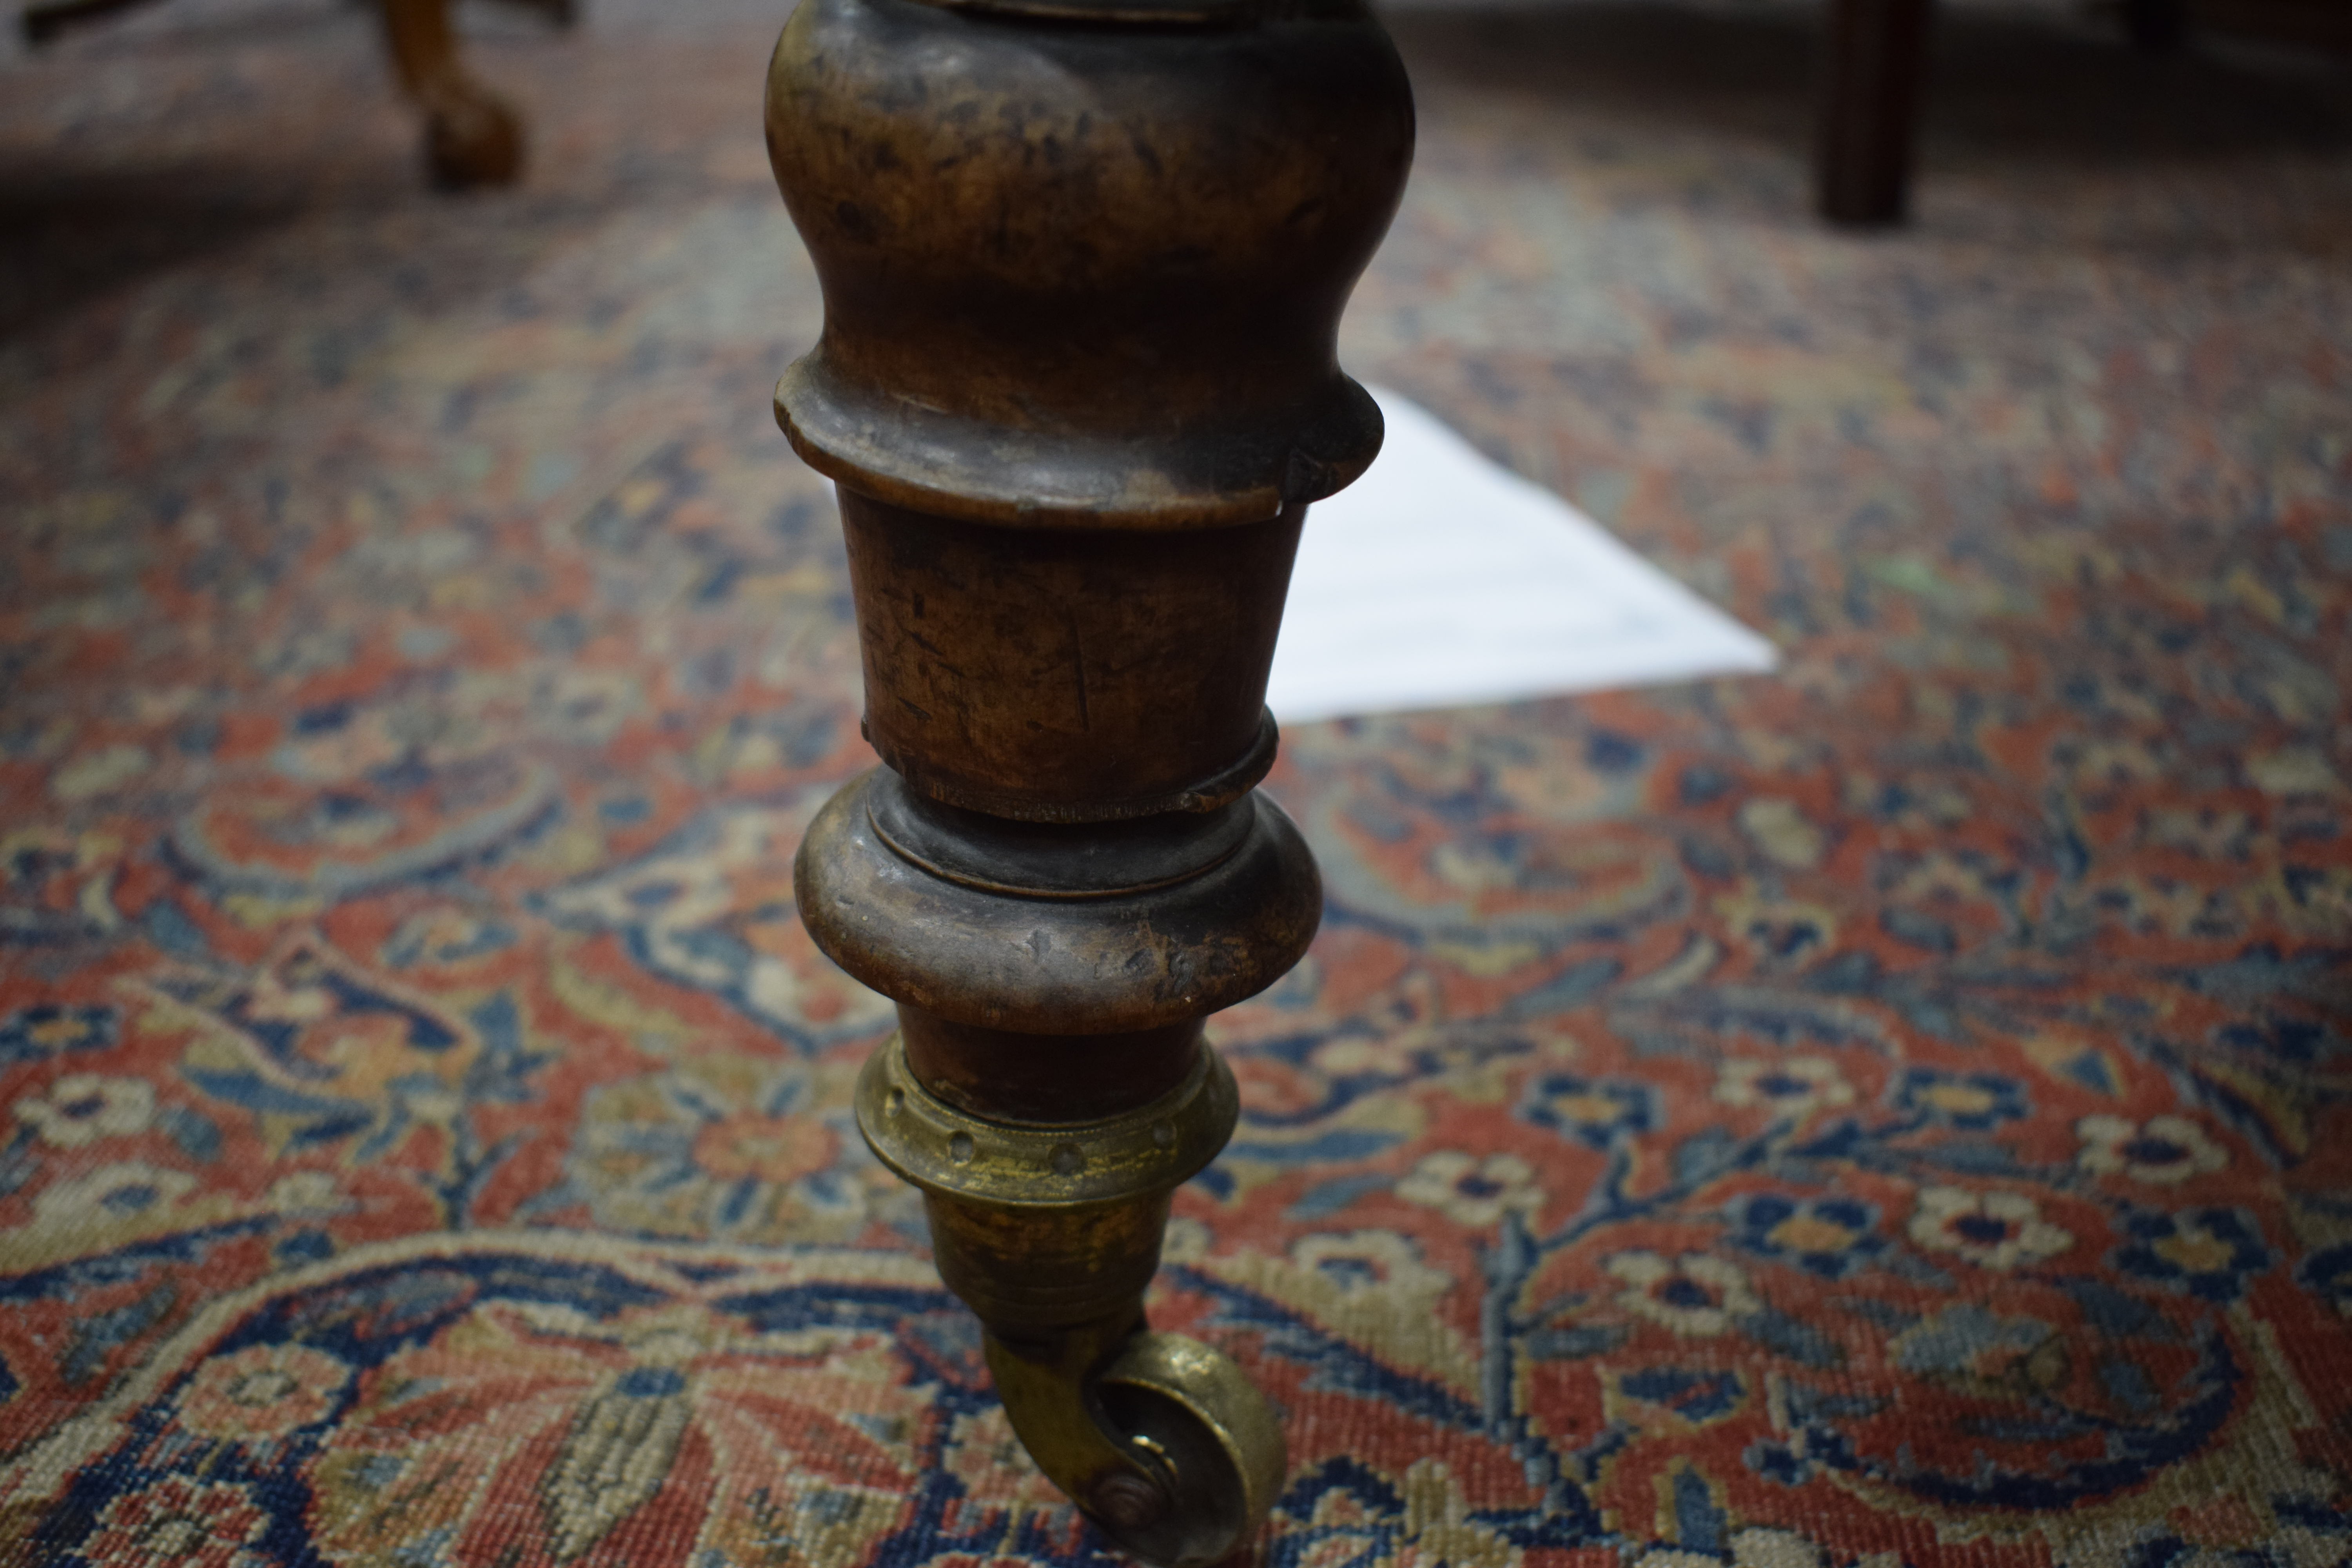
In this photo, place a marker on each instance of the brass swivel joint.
(1084, 263)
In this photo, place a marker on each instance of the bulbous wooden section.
(1085, 276)
(1116, 961)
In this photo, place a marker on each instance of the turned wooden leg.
(471, 136)
(1078, 381)
(1873, 52)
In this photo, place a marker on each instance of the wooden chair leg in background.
(561, 13)
(1872, 57)
(43, 22)
(471, 136)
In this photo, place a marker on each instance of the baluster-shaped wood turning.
(1084, 263)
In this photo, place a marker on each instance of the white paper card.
(1440, 580)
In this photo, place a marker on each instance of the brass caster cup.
(1051, 1233)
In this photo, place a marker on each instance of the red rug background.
(1889, 1112)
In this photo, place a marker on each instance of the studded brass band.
(945, 1151)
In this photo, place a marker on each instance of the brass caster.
(1051, 1233)
(1166, 1445)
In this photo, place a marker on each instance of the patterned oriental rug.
(1894, 1111)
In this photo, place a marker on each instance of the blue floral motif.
(1971, 1101)
(1830, 1236)
(739, 1147)
(2289, 1042)
(1595, 1112)
(1697, 1396)
(1784, 1463)
(32, 1033)
(2211, 1253)
(2328, 1273)
(2172, 1551)
(1349, 1516)
(1346, 1514)
(1968, 1341)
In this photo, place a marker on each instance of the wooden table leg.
(1873, 56)
(1084, 263)
(471, 136)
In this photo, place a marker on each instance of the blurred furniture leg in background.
(472, 137)
(562, 13)
(43, 22)
(1874, 54)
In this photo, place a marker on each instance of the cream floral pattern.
(1992, 1230)
(2165, 1150)
(1696, 1296)
(1471, 1191)
(82, 1108)
(1793, 1086)
(110, 1193)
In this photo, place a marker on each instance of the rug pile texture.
(1894, 1111)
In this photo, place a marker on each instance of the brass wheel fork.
(1047, 1231)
